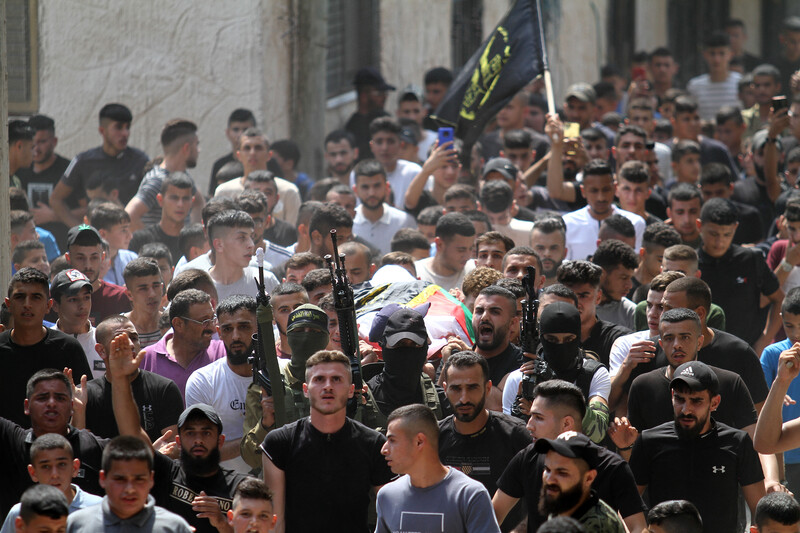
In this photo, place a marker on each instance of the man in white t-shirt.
(384, 142)
(455, 245)
(223, 383)
(230, 234)
(72, 300)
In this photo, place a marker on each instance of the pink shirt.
(157, 360)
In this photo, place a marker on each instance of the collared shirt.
(81, 500)
(582, 231)
(151, 518)
(157, 359)
(114, 274)
(379, 233)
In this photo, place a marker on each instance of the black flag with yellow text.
(509, 59)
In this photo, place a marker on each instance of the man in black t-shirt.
(158, 399)
(176, 201)
(738, 277)
(649, 400)
(558, 407)
(326, 459)
(697, 458)
(597, 335)
(113, 160)
(196, 487)
(475, 440)
(49, 403)
(29, 346)
(41, 177)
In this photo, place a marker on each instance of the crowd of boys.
(657, 226)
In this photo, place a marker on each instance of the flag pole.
(548, 82)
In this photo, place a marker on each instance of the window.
(23, 50)
(353, 42)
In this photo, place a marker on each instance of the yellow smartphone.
(571, 130)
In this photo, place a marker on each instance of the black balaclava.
(564, 358)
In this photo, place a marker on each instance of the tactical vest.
(376, 420)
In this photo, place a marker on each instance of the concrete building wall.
(651, 26)
(163, 60)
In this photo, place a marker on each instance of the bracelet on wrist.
(626, 448)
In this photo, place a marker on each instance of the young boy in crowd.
(252, 510)
(31, 254)
(71, 292)
(53, 463)
(145, 288)
(686, 162)
(193, 242)
(127, 477)
(43, 509)
(777, 512)
(114, 226)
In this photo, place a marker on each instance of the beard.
(469, 417)
(550, 272)
(238, 353)
(561, 502)
(693, 432)
(200, 466)
(498, 337)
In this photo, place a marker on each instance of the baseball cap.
(204, 409)
(68, 282)
(371, 76)
(308, 315)
(407, 135)
(406, 323)
(501, 165)
(413, 90)
(582, 91)
(571, 444)
(697, 376)
(80, 230)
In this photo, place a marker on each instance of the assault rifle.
(529, 335)
(266, 371)
(346, 312)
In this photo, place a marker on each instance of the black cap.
(697, 376)
(308, 315)
(582, 91)
(75, 232)
(571, 444)
(68, 282)
(501, 165)
(560, 317)
(370, 76)
(406, 323)
(204, 409)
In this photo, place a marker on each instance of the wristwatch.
(786, 266)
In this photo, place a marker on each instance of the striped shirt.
(711, 96)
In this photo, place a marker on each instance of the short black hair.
(778, 507)
(452, 224)
(467, 359)
(126, 448)
(479, 216)
(251, 488)
(107, 215)
(523, 250)
(460, 190)
(673, 316)
(719, 211)
(287, 287)
(42, 123)
(409, 239)
(29, 275)
(497, 196)
(683, 148)
(698, 293)
(191, 235)
(612, 253)
(228, 219)
(593, 134)
(576, 272)
(369, 168)
(515, 139)
(430, 215)
(47, 374)
(287, 149)
(43, 500)
(660, 234)
(661, 51)
(387, 124)
(116, 112)
(139, 268)
(716, 40)
(337, 136)
(176, 129)
(190, 278)
(620, 225)
(236, 302)
(635, 172)
(729, 112)
(19, 130)
(562, 291)
(676, 516)
(561, 524)
(560, 392)
(22, 249)
(242, 115)
(633, 129)
(684, 192)
(179, 180)
(597, 167)
(182, 302)
(328, 217)
(714, 173)
(439, 75)
(791, 302)
(319, 277)
(513, 285)
(156, 250)
(50, 441)
(685, 104)
(497, 290)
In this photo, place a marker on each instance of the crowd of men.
(653, 228)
